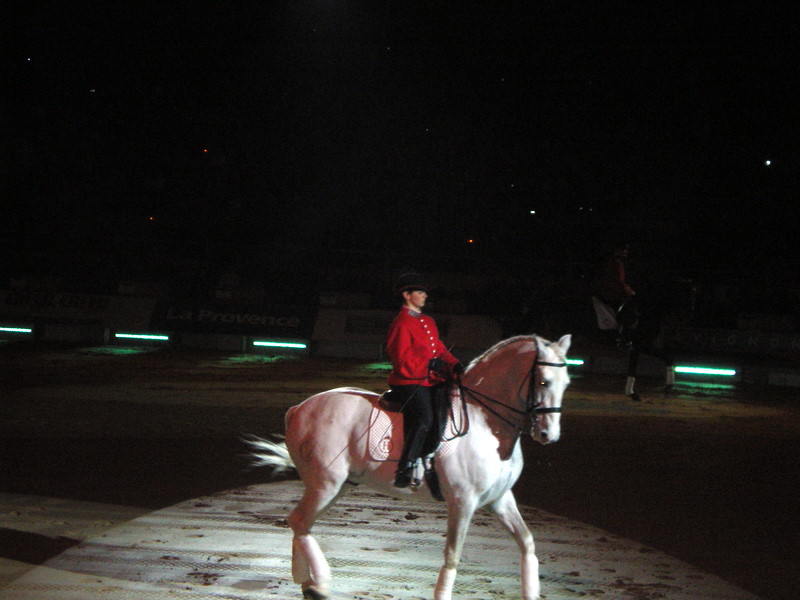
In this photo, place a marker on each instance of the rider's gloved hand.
(437, 365)
(458, 368)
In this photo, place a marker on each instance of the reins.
(531, 407)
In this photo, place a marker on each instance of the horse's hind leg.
(508, 514)
(309, 567)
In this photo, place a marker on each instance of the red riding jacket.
(610, 285)
(412, 342)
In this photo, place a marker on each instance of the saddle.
(441, 401)
(386, 426)
(620, 322)
(606, 315)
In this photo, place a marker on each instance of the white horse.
(515, 387)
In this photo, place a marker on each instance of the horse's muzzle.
(545, 436)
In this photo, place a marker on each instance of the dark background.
(282, 140)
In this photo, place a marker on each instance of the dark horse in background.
(642, 319)
(636, 327)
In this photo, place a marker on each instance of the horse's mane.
(510, 341)
(499, 346)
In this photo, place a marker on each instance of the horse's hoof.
(635, 397)
(312, 594)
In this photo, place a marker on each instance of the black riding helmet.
(410, 282)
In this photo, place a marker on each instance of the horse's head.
(549, 379)
(520, 383)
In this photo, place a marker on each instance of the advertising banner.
(272, 320)
(114, 312)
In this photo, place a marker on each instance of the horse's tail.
(266, 453)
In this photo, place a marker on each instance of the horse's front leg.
(507, 512)
(459, 515)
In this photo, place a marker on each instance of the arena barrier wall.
(758, 343)
(67, 317)
(361, 333)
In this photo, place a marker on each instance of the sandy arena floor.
(92, 439)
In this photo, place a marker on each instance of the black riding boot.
(404, 475)
(412, 450)
(417, 420)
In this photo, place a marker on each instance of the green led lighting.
(141, 336)
(710, 389)
(16, 329)
(379, 366)
(577, 362)
(281, 345)
(116, 350)
(705, 371)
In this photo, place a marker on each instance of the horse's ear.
(564, 343)
(540, 345)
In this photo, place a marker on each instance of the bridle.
(533, 406)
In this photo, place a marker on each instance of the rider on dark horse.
(611, 287)
(638, 320)
(420, 363)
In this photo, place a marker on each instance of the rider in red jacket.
(611, 285)
(420, 361)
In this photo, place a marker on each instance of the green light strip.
(141, 336)
(281, 345)
(16, 329)
(705, 371)
(575, 361)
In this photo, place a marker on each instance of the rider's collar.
(413, 313)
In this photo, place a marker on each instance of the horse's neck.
(503, 379)
(500, 386)
(511, 362)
